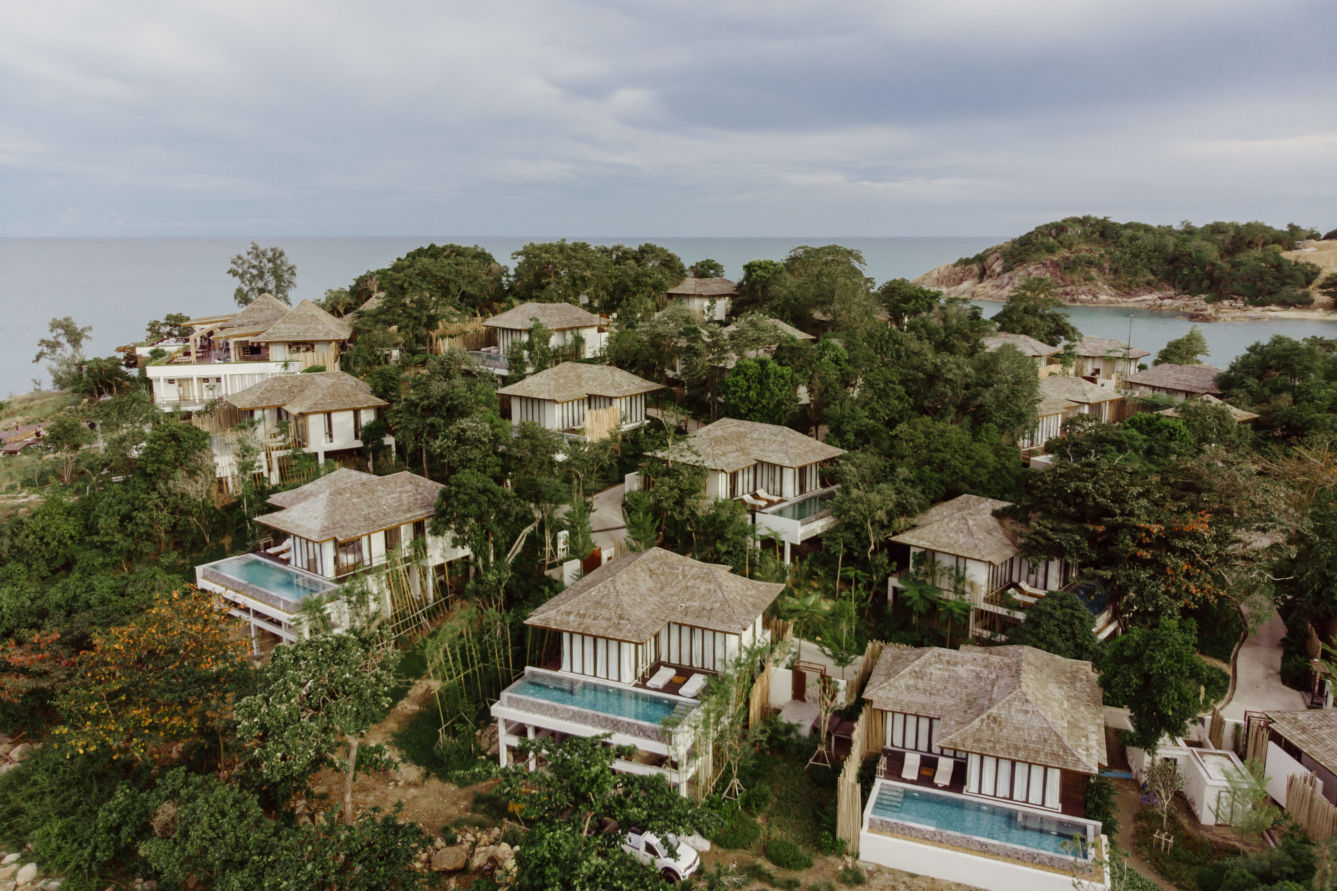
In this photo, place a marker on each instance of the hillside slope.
(1213, 271)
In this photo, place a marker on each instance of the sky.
(584, 117)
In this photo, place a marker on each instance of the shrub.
(1215, 683)
(759, 873)
(786, 854)
(756, 799)
(738, 831)
(828, 844)
(852, 875)
(1100, 804)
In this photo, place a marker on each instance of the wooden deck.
(681, 674)
(1072, 788)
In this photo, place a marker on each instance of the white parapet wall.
(966, 868)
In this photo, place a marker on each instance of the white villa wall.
(1280, 767)
(192, 386)
(701, 306)
(509, 339)
(968, 869)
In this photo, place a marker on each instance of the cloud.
(718, 118)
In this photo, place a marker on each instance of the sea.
(117, 285)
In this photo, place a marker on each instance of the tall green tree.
(1186, 350)
(1061, 624)
(262, 271)
(760, 390)
(64, 349)
(312, 704)
(1157, 674)
(1033, 310)
(1308, 579)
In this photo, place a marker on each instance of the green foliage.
(1308, 581)
(1291, 861)
(448, 420)
(1186, 350)
(64, 347)
(1291, 383)
(1157, 674)
(1244, 803)
(760, 390)
(1100, 804)
(1218, 261)
(262, 271)
(1033, 310)
(312, 703)
(786, 854)
(706, 268)
(1061, 624)
(756, 799)
(903, 299)
(737, 832)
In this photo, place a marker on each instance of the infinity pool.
(276, 579)
(999, 823)
(635, 705)
(806, 507)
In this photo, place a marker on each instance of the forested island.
(1217, 270)
(145, 736)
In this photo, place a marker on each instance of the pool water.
(997, 822)
(271, 577)
(635, 705)
(804, 508)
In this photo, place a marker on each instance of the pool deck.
(1072, 789)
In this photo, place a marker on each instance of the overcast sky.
(940, 117)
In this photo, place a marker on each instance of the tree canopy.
(262, 271)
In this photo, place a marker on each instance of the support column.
(533, 760)
(501, 741)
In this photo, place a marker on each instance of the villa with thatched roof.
(225, 354)
(321, 412)
(569, 326)
(1044, 355)
(343, 524)
(1104, 358)
(776, 471)
(964, 550)
(1106, 404)
(1300, 742)
(636, 641)
(985, 761)
(580, 399)
(1178, 382)
(711, 299)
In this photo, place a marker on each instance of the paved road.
(1258, 685)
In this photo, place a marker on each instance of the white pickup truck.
(650, 850)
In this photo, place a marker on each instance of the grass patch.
(1189, 853)
(738, 832)
(852, 875)
(758, 872)
(803, 801)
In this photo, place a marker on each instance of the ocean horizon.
(118, 284)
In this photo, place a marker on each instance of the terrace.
(1072, 792)
(795, 520)
(1029, 848)
(263, 590)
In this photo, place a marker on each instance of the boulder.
(451, 859)
(410, 774)
(27, 873)
(482, 854)
(8, 859)
(20, 752)
(502, 854)
(487, 740)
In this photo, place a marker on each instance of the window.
(357, 424)
(329, 426)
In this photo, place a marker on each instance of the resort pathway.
(606, 523)
(1258, 685)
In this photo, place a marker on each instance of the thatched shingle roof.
(964, 527)
(1313, 731)
(1076, 389)
(1010, 702)
(301, 394)
(1240, 415)
(730, 444)
(255, 316)
(1199, 379)
(577, 380)
(348, 504)
(704, 287)
(634, 596)
(304, 322)
(1100, 347)
(783, 328)
(1028, 345)
(553, 316)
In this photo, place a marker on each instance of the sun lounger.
(943, 775)
(662, 677)
(755, 503)
(768, 497)
(693, 686)
(910, 770)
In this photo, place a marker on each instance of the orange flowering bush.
(163, 680)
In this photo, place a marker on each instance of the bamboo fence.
(849, 797)
(759, 700)
(1307, 806)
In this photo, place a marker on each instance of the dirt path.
(427, 801)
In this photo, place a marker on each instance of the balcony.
(798, 519)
